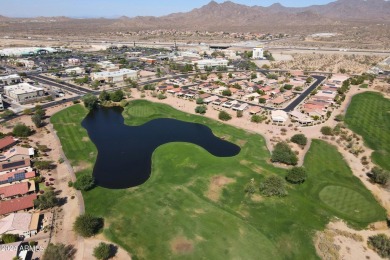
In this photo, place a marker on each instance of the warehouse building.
(10, 79)
(114, 76)
(23, 92)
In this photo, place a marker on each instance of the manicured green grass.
(178, 214)
(369, 116)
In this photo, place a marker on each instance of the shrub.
(273, 186)
(58, 252)
(300, 139)
(44, 165)
(283, 153)
(381, 244)
(296, 175)
(9, 238)
(239, 113)
(250, 187)
(102, 251)
(326, 130)
(258, 119)
(339, 118)
(379, 175)
(226, 92)
(199, 101)
(21, 130)
(104, 96)
(87, 225)
(84, 182)
(161, 96)
(224, 116)
(201, 109)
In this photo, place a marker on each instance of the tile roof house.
(18, 204)
(20, 164)
(14, 190)
(17, 153)
(16, 176)
(7, 142)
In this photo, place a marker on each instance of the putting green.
(140, 111)
(347, 202)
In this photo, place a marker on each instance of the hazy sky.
(113, 8)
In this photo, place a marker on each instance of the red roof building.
(14, 190)
(8, 166)
(14, 205)
(7, 142)
(16, 176)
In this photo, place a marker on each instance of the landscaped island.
(195, 206)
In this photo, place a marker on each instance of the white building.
(27, 51)
(23, 92)
(279, 116)
(76, 70)
(10, 79)
(258, 53)
(114, 76)
(107, 65)
(210, 63)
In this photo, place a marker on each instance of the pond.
(125, 152)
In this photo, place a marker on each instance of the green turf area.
(369, 116)
(194, 205)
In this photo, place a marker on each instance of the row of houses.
(18, 190)
(317, 105)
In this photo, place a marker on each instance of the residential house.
(7, 142)
(17, 153)
(18, 204)
(22, 224)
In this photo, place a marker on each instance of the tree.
(262, 100)
(84, 182)
(58, 252)
(39, 111)
(102, 251)
(227, 92)
(381, 244)
(224, 116)
(300, 139)
(46, 200)
(250, 187)
(117, 95)
(104, 96)
(90, 101)
(201, 109)
(273, 186)
(379, 175)
(326, 130)
(199, 101)
(37, 120)
(282, 153)
(27, 111)
(296, 175)
(87, 225)
(21, 130)
(9, 238)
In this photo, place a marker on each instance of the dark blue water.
(125, 152)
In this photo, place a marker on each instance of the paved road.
(49, 81)
(300, 98)
(67, 84)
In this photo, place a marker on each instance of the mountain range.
(230, 16)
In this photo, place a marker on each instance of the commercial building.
(258, 53)
(114, 76)
(10, 79)
(24, 92)
(202, 64)
(76, 70)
